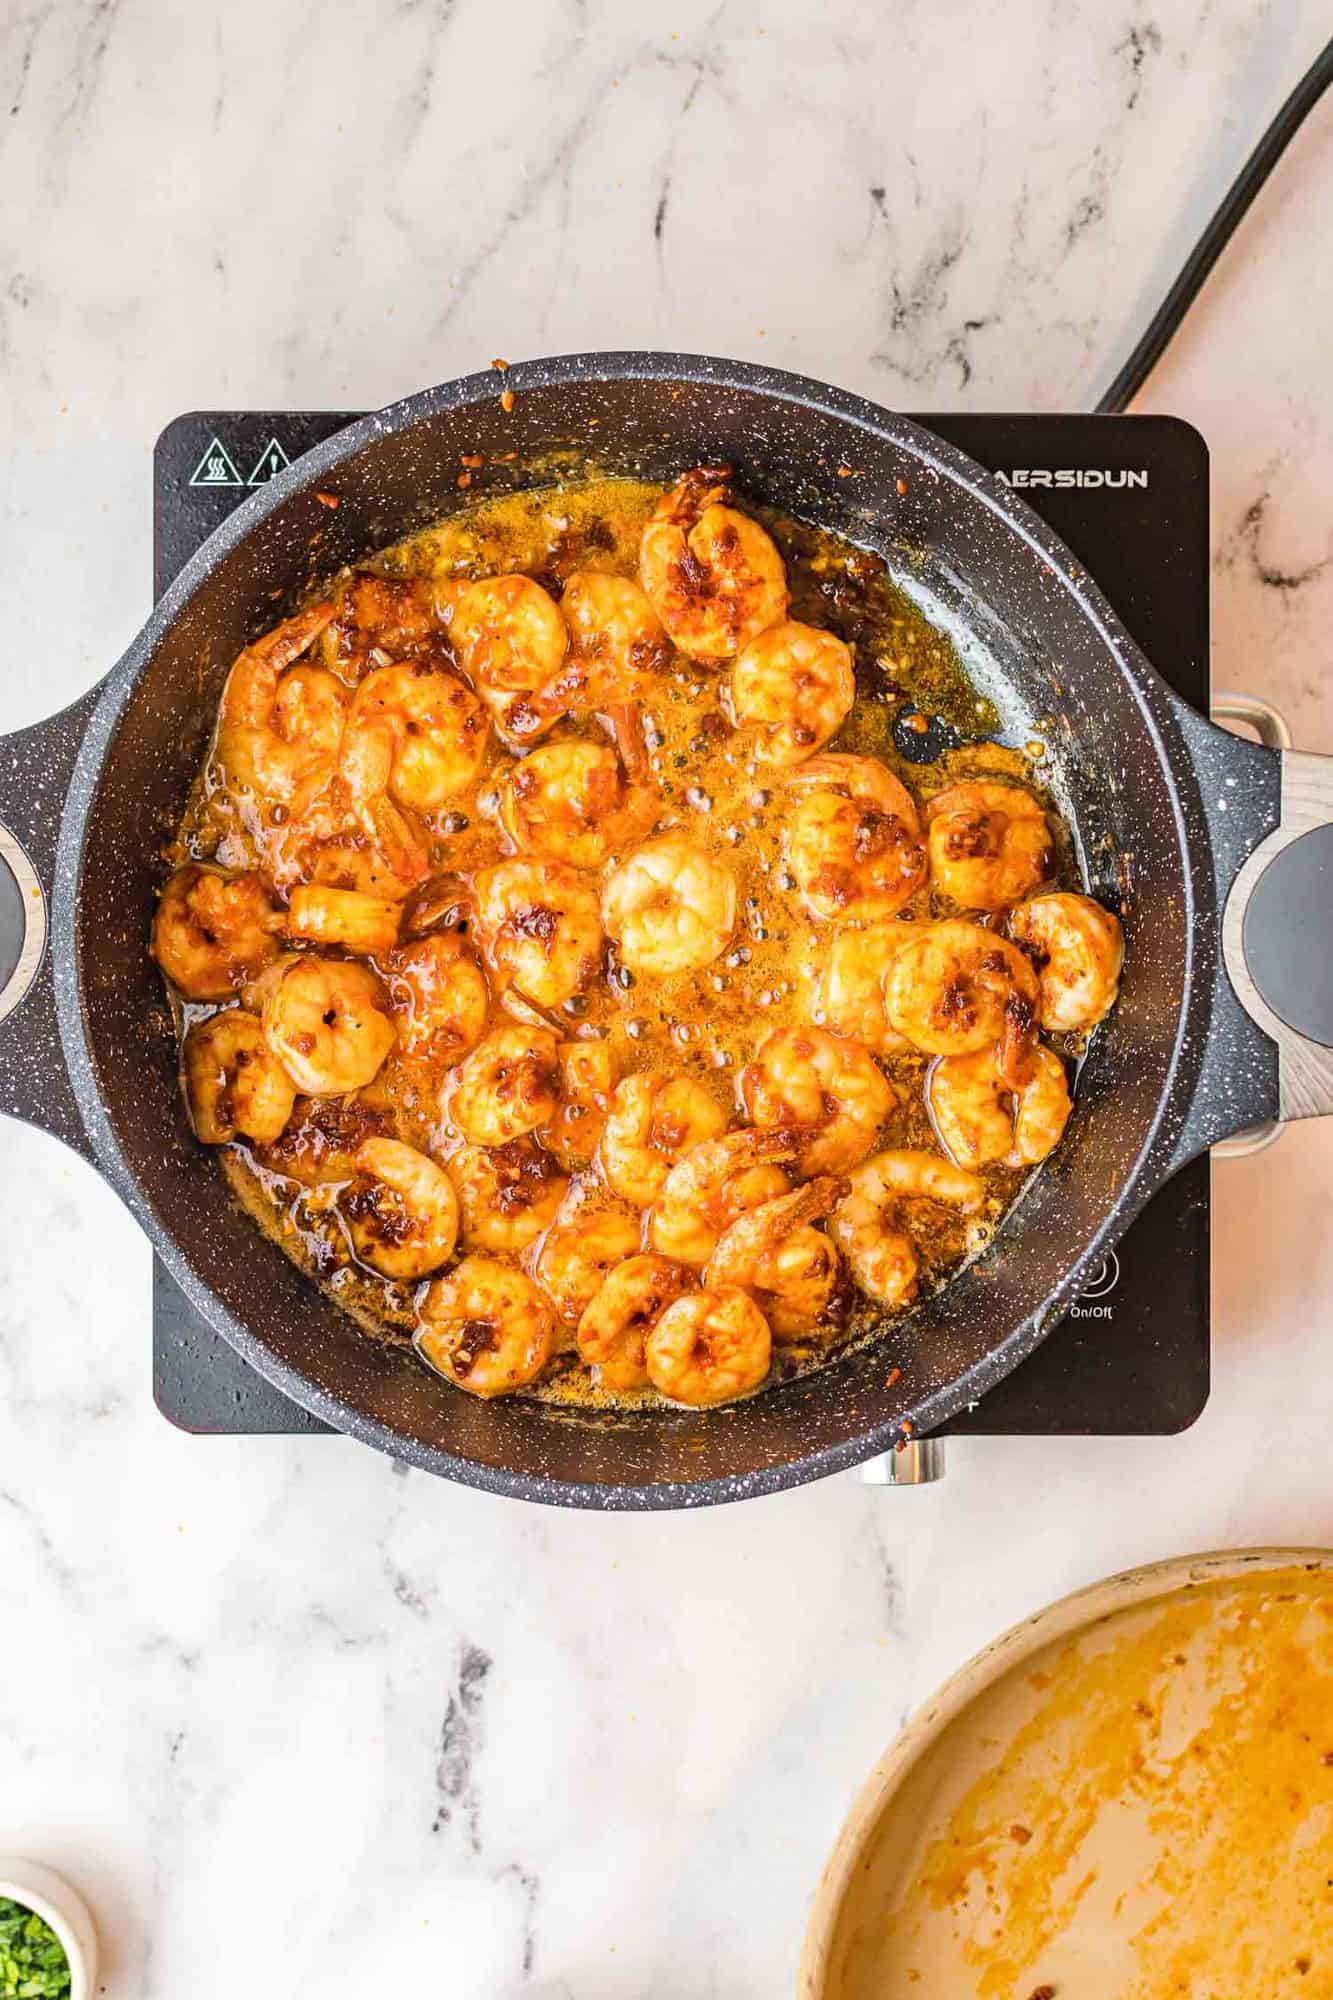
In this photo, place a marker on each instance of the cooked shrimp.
(486, 1327)
(849, 992)
(955, 988)
(989, 844)
(795, 685)
(826, 1088)
(378, 618)
(854, 839)
(348, 917)
(617, 1322)
(709, 1347)
(508, 1194)
(371, 845)
(714, 576)
(507, 1086)
(577, 1254)
(573, 802)
(716, 1181)
(541, 928)
(1078, 950)
(437, 995)
(586, 1080)
(883, 1259)
(616, 645)
(789, 1267)
(327, 1021)
(416, 732)
(280, 725)
(670, 908)
(614, 630)
(652, 1121)
(233, 1081)
(323, 1137)
(401, 1210)
(213, 932)
(980, 1119)
(510, 640)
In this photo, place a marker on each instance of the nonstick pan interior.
(1030, 637)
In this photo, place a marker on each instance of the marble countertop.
(299, 1724)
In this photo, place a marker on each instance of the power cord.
(1217, 235)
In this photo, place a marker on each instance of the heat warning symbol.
(271, 461)
(215, 468)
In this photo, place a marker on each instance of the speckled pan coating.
(1152, 787)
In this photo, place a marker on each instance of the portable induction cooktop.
(1130, 497)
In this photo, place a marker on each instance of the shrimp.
(507, 1086)
(233, 1082)
(614, 630)
(340, 843)
(789, 1267)
(709, 1347)
(510, 640)
(715, 578)
(541, 928)
(849, 991)
(378, 618)
(348, 917)
(486, 1327)
(955, 988)
(980, 1120)
(437, 995)
(323, 1137)
(617, 1322)
(616, 646)
(989, 844)
(1078, 950)
(578, 1252)
(326, 1020)
(573, 802)
(882, 1258)
(716, 1181)
(213, 932)
(417, 732)
(795, 685)
(854, 839)
(586, 1079)
(401, 1210)
(826, 1088)
(670, 907)
(652, 1122)
(508, 1194)
(280, 725)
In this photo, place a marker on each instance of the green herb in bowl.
(33, 1965)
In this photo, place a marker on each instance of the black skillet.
(1188, 817)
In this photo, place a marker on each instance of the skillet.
(1221, 852)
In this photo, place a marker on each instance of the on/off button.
(1101, 1280)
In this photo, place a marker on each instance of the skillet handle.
(1277, 935)
(35, 769)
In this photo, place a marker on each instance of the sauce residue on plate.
(1141, 1812)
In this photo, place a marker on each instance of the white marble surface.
(299, 1725)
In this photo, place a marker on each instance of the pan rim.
(1157, 708)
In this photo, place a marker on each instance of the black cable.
(1217, 235)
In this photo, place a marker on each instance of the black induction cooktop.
(1130, 497)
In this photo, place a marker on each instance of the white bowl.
(50, 1896)
(886, 1820)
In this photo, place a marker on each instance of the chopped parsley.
(33, 1965)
